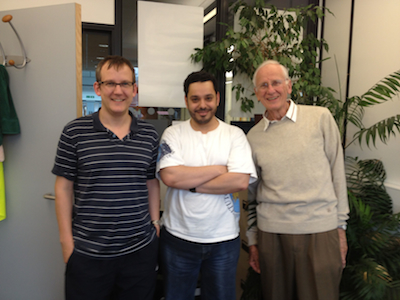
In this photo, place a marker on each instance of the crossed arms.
(214, 179)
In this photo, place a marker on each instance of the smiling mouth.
(272, 98)
(118, 100)
(202, 112)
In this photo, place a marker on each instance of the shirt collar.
(291, 114)
(98, 126)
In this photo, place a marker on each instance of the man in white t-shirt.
(202, 161)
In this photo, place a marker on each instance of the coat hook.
(7, 19)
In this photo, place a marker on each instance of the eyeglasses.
(275, 84)
(112, 85)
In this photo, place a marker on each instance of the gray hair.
(271, 62)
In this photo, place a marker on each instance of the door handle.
(49, 196)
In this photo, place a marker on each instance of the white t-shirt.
(196, 217)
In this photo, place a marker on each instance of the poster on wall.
(167, 36)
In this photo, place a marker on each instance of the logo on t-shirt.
(232, 201)
(163, 150)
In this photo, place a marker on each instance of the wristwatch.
(344, 227)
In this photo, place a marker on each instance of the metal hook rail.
(10, 62)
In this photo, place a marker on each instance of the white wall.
(375, 54)
(93, 11)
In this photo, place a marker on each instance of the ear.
(255, 93)
(135, 89)
(289, 85)
(96, 87)
(218, 99)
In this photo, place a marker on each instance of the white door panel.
(45, 98)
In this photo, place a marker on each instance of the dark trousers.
(300, 266)
(131, 276)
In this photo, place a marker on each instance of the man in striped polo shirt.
(107, 196)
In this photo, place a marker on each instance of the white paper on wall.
(167, 36)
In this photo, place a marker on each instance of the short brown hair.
(114, 61)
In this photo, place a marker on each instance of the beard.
(200, 119)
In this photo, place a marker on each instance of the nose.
(202, 103)
(118, 89)
(270, 89)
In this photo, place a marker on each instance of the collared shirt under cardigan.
(302, 185)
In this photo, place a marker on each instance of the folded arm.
(183, 177)
(225, 184)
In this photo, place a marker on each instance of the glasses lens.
(113, 85)
(110, 85)
(126, 84)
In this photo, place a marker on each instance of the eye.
(110, 84)
(276, 83)
(125, 84)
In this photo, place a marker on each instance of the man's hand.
(253, 258)
(343, 246)
(67, 249)
(157, 229)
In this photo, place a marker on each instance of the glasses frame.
(121, 84)
(264, 86)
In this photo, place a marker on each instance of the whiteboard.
(167, 36)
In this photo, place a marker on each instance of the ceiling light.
(210, 15)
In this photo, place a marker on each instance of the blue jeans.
(183, 261)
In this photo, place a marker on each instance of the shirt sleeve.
(334, 153)
(169, 153)
(65, 164)
(240, 158)
(151, 171)
(252, 231)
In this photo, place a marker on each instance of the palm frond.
(382, 130)
(382, 91)
(369, 280)
(355, 111)
(373, 235)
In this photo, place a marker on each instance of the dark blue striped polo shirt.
(110, 212)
